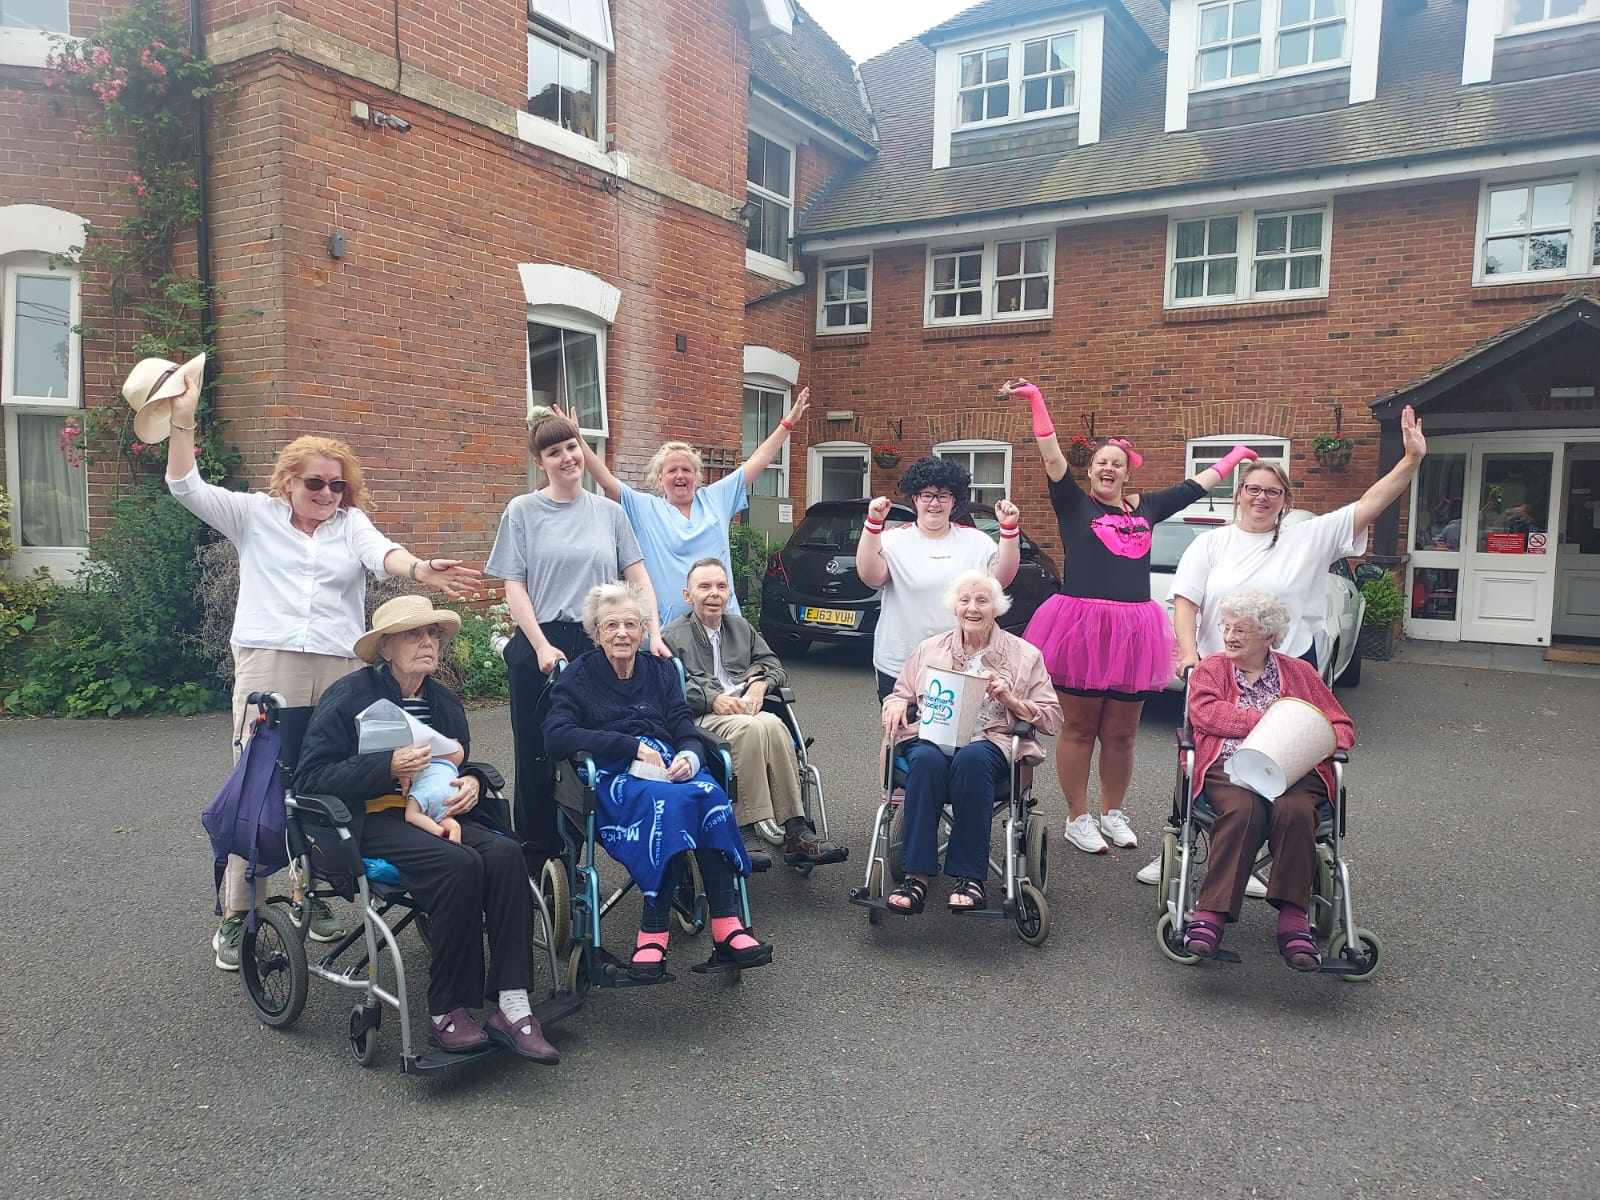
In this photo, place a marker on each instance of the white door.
(1577, 606)
(1508, 546)
(1438, 543)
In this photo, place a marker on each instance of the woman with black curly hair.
(914, 564)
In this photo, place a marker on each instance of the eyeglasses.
(314, 484)
(613, 624)
(936, 497)
(432, 632)
(1255, 489)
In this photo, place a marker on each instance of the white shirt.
(296, 591)
(920, 569)
(1229, 559)
(715, 635)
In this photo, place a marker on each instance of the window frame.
(598, 437)
(785, 264)
(988, 280)
(841, 264)
(970, 447)
(559, 37)
(839, 449)
(773, 386)
(1583, 228)
(605, 42)
(1271, 30)
(56, 558)
(1222, 443)
(66, 23)
(1245, 291)
(1589, 12)
(1014, 47)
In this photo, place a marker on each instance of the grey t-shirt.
(561, 550)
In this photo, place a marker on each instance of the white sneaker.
(1151, 872)
(1114, 824)
(1081, 832)
(1255, 889)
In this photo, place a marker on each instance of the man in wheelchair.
(730, 674)
(469, 889)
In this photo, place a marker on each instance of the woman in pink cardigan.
(1228, 693)
(1019, 688)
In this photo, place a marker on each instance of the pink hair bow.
(1135, 459)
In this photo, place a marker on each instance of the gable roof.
(808, 68)
(1421, 111)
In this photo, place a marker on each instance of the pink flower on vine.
(197, 451)
(151, 63)
(136, 447)
(101, 57)
(67, 440)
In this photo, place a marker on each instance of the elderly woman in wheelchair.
(468, 889)
(1016, 689)
(655, 804)
(1228, 694)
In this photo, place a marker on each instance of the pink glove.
(1233, 458)
(1043, 427)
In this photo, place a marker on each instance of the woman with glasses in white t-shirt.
(1259, 552)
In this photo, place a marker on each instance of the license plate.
(831, 616)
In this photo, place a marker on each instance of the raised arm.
(766, 453)
(1389, 489)
(180, 447)
(610, 485)
(1009, 556)
(1044, 430)
(1212, 476)
(871, 566)
(636, 574)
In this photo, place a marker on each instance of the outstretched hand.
(1411, 433)
(797, 410)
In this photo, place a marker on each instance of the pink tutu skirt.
(1104, 645)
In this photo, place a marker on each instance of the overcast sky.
(866, 28)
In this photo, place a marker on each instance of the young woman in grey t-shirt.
(553, 545)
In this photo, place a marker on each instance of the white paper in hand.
(384, 725)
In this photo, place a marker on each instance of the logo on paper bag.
(939, 704)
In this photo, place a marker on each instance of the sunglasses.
(314, 484)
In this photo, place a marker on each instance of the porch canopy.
(1541, 373)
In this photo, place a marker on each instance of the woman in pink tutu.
(1107, 645)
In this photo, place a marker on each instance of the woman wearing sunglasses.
(305, 548)
(1107, 644)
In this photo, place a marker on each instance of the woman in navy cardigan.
(654, 798)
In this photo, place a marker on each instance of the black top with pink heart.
(1107, 547)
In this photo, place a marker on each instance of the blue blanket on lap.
(645, 823)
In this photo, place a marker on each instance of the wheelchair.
(274, 966)
(1024, 868)
(1349, 952)
(571, 888)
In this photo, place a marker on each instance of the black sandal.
(648, 972)
(914, 890)
(758, 955)
(975, 891)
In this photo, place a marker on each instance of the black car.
(812, 593)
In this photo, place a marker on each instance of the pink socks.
(1043, 427)
(1292, 919)
(722, 928)
(647, 942)
(1233, 458)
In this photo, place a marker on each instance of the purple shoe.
(524, 1038)
(459, 1033)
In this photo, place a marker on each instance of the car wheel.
(1351, 675)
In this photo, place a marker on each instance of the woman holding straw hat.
(305, 548)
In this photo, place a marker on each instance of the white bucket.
(1291, 738)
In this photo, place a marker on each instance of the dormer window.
(993, 88)
(1241, 40)
(1523, 15)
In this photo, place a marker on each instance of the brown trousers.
(1244, 820)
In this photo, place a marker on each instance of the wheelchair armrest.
(488, 777)
(786, 694)
(329, 811)
(1022, 728)
(1185, 740)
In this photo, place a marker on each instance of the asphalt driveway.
(932, 1057)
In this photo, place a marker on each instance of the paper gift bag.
(949, 707)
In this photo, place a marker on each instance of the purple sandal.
(1201, 937)
(1299, 949)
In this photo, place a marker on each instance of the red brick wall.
(1401, 303)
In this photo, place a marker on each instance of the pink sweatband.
(1135, 459)
(1240, 453)
(1043, 427)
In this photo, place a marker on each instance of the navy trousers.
(966, 781)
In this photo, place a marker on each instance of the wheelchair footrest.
(760, 861)
(1003, 913)
(557, 1008)
(1227, 956)
(609, 971)
(439, 1060)
(840, 854)
(715, 966)
(859, 896)
(1341, 966)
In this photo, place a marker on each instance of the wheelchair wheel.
(578, 970)
(689, 903)
(558, 899)
(1324, 896)
(364, 1024)
(1169, 868)
(1033, 915)
(897, 841)
(272, 964)
(1367, 948)
(1171, 945)
(875, 892)
(1036, 851)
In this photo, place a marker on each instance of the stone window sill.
(1241, 312)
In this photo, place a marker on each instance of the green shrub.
(750, 549)
(482, 669)
(1385, 604)
(21, 600)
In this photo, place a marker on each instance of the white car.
(1345, 601)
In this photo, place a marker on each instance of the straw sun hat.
(397, 616)
(152, 386)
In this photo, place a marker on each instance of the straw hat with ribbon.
(397, 616)
(151, 387)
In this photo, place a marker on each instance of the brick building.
(1268, 220)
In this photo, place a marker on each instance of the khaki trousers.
(763, 759)
(300, 679)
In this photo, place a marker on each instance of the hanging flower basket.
(886, 456)
(1333, 452)
(1079, 451)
